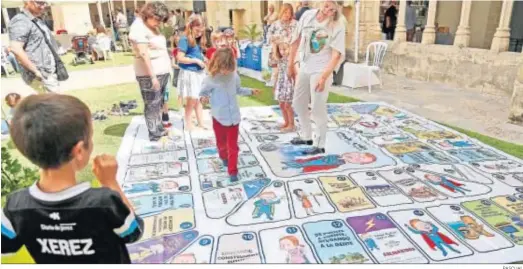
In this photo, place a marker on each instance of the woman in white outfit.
(320, 36)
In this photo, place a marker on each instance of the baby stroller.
(81, 50)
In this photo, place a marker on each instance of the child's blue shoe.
(225, 163)
(234, 178)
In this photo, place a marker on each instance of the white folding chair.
(374, 59)
(106, 48)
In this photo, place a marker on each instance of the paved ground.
(78, 80)
(475, 111)
(480, 112)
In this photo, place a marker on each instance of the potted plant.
(250, 32)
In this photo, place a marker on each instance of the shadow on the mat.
(117, 130)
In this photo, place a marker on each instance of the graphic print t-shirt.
(78, 225)
(318, 39)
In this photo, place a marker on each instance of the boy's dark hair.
(46, 127)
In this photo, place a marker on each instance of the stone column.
(501, 39)
(516, 107)
(429, 34)
(100, 13)
(6, 16)
(401, 29)
(463, 32)
(376, 18)
(123, 8)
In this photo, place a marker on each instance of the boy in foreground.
(58, 219)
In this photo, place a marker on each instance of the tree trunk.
(516, 108)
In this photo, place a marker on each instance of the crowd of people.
(306, 52)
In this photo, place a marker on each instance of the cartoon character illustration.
(207, 152)
(331, 161)
(518, 221)
(458, 144)
(264, 205)
(290, 152)
(422, 192)
(144, 253)
(432, 236)
(369, 242)
(305, 201)
(318, 40)
(448, 184)
(188, 258)
(472, 230)
(155, 187)
(293, 250)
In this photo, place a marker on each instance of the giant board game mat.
(392, 188)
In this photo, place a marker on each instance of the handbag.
(61, 71)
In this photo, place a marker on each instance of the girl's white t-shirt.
(158, 52)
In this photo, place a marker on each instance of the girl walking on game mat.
(220, 89)
(191, 62)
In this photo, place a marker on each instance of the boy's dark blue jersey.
(77, 225)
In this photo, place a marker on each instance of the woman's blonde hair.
(195, 21)
(339, 11)
(284, 8)
(222, 60)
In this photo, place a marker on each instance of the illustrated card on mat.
(308, 199)
(215, 165)
(218, 203)
(508, 224)
(335, 243)
(200, 251)
(161, 157)
(148, 204)
(161, 170)
(469, 228)
(168, 222)
(343, 151)
(270, 205)
(451, 186)
(511, 203)
(384, 241)
(221, 180)
(238, 248)
(285, 245)
(346, 196)
(212, 152)
(437, 242)
(379, 189)
(164, 185)
(160, 250)
(416, 189)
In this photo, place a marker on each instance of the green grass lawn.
(118, 59)
(108, 134)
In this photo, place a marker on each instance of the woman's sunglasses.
(41, 3)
